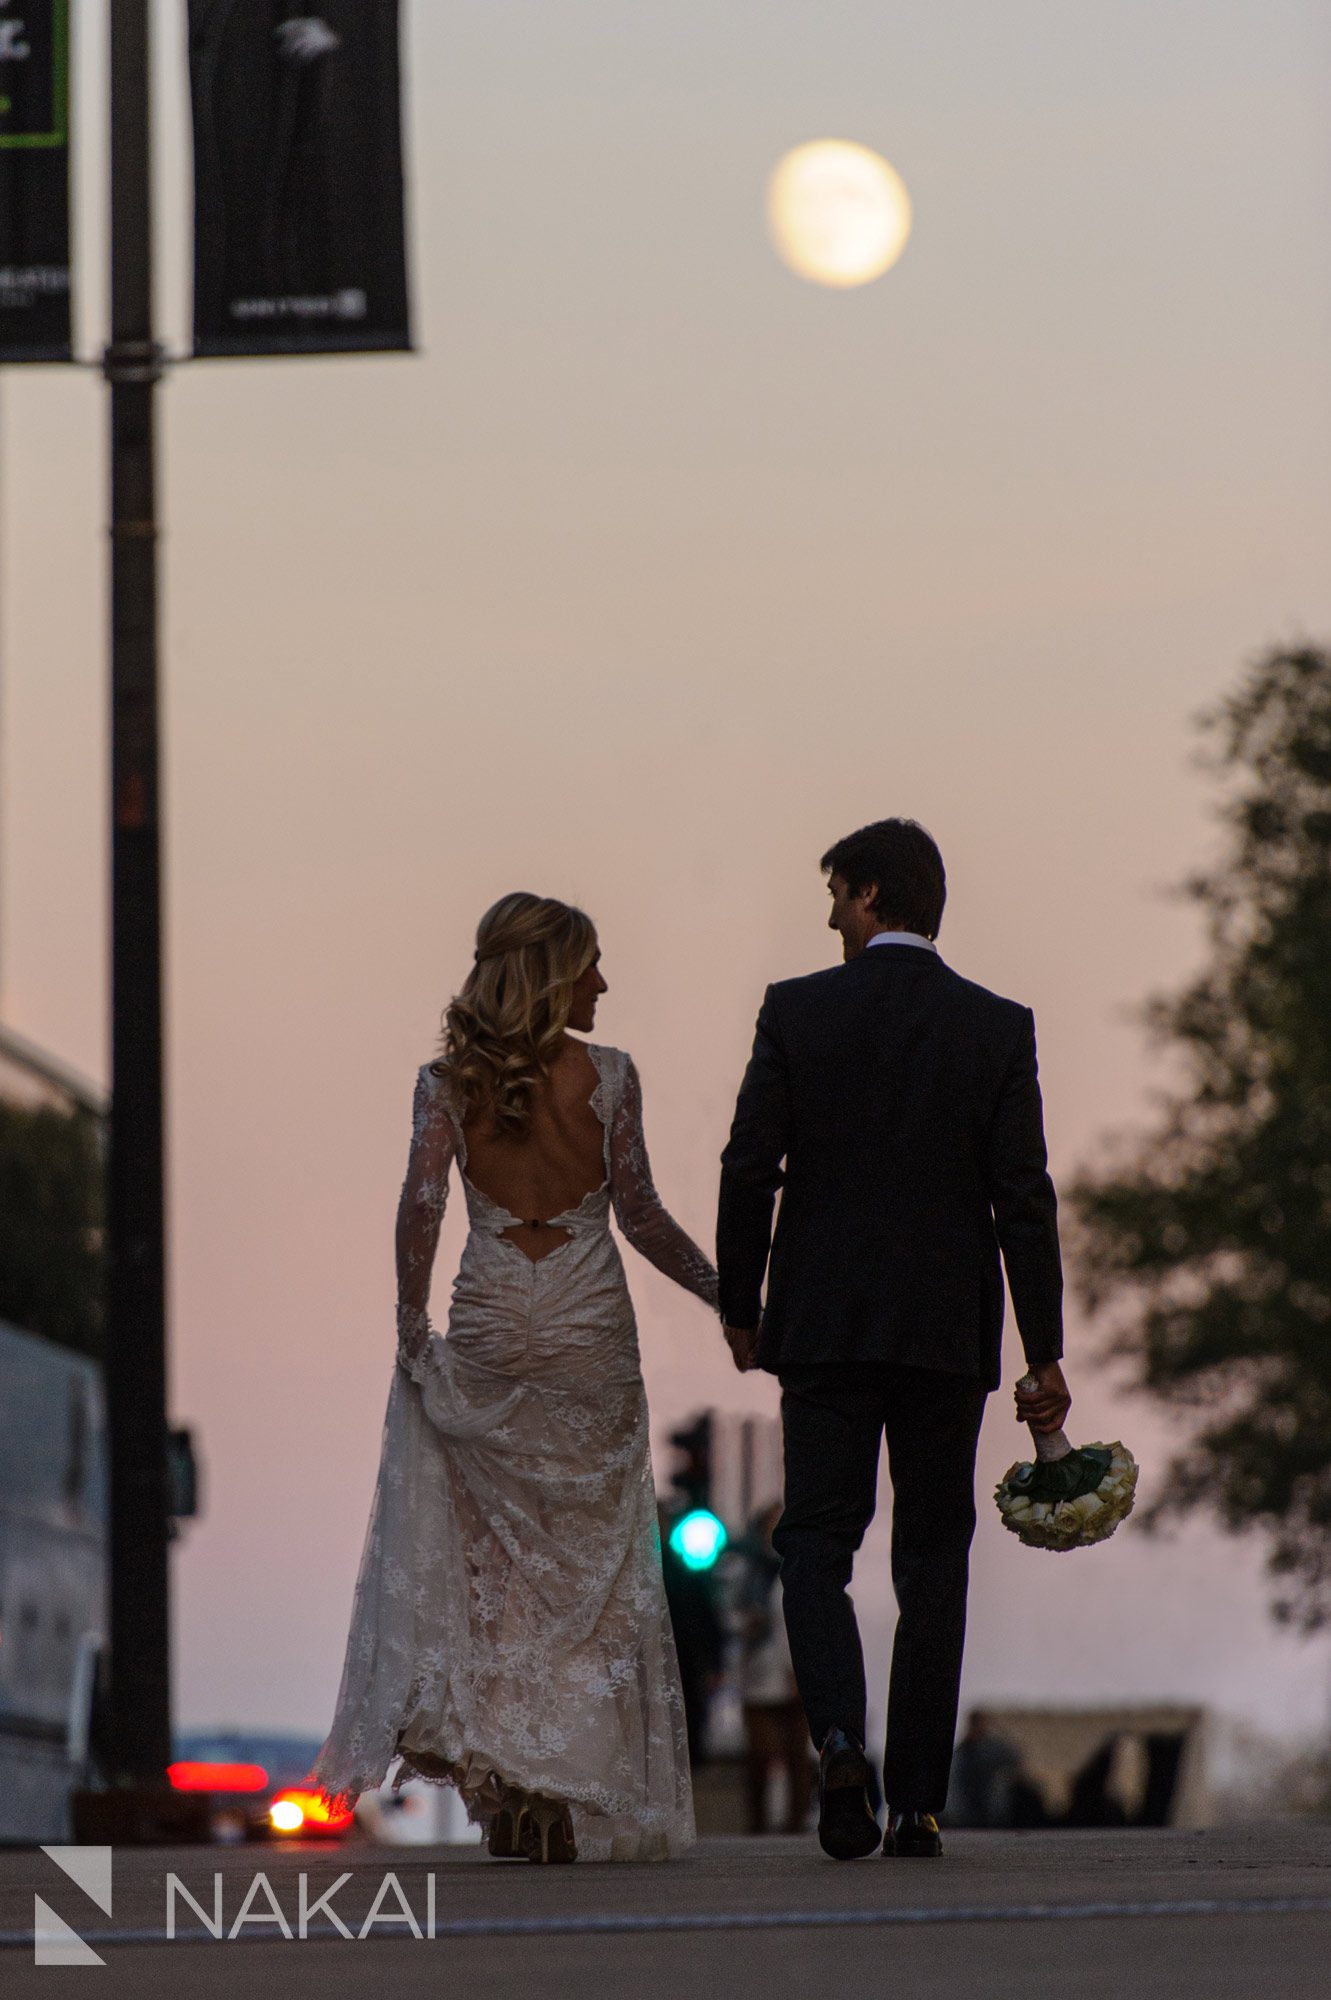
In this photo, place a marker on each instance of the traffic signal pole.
(136, 1739)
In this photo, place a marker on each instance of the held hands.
(743, 1344)
(1045, 1406)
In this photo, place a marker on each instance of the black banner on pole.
(34, 181)
(298, 205)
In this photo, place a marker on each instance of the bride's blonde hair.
(504, 1027)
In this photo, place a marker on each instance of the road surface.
(1236, 1913)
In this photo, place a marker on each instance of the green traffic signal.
(698, 1538)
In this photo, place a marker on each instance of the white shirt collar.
(901, 937)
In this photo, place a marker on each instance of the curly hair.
(502, 1030)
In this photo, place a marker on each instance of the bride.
(509, 1634)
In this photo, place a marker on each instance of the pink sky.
(655, 571)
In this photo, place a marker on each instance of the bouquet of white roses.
(1070, 1496)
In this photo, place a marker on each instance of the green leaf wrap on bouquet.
(1069, 1502)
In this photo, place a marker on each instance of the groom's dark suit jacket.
(904, 1103)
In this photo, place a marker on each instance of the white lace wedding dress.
(510, 1626)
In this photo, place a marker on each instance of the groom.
(904, 1104)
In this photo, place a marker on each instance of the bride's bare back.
(554, 1165)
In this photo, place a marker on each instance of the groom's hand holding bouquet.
(1043, 1397)
(1066, 1497)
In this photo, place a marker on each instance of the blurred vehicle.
(52, 1578)
(258, 1785)
(260, 1790)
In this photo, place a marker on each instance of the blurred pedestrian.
(776, 1734)
(985, 1766)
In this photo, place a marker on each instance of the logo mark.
(56, 1942)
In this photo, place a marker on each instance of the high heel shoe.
(510, 1833)
(549, 1831)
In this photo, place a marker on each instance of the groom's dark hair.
(900, 860)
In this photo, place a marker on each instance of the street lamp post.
(137, 1742)
(150, 1467)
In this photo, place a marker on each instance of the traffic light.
(698, 1538)
(693, 1449)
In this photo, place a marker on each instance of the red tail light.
(317, 1815)
(217, 1777)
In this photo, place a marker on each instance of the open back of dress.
(554, 1167)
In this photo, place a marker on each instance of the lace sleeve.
(420, 1214)
(639, 1210)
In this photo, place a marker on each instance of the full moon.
(838, 213)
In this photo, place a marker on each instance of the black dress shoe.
(914, 1834)
(847, 1829)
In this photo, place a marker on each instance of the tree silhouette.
(51, 1202)
(1208, 1243)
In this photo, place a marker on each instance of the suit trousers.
(833, 1419)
